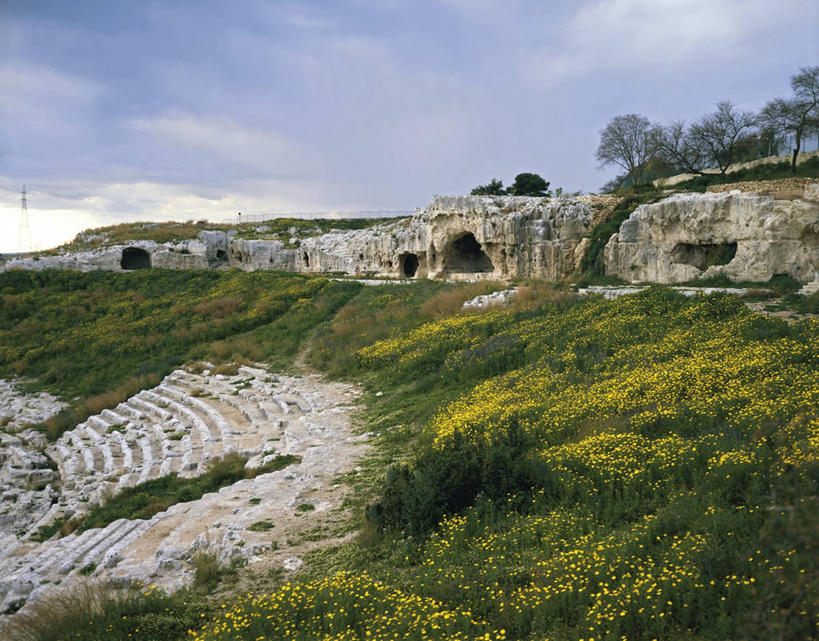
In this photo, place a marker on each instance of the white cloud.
(224, 140)
(60, 210)
(639, 36)
(41, 100)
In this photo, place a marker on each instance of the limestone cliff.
(462, 237)
(744, 236)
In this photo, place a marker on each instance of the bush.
(91, 612)
(208, 569)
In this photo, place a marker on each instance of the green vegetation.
(525, 184)
(591, 265)
(90, 612)
(802, 304)
(261, 526)
(641, 467)
(144, 500)
(565, 468)
(780, 284)
(94, 339)
(767, 171)
(282, 229)
(208, 570)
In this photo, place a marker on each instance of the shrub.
(208, 569)
(92, 612)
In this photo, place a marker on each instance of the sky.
(120, 111)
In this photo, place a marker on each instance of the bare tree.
(627, 141)
(676, 145)
(799, 114)
(720, 133)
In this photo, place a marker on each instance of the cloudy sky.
(120, 110)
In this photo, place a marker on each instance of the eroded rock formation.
(462, 237)
(744, 236)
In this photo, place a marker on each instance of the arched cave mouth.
(135, 258)
(704, 255)
(409, 264)
(465, 255)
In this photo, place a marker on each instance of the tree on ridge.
(628, 141)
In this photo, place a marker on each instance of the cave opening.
(465, 255)
(135, 258)
(704, 255)
(409, 264)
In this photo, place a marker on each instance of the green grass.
(781, 284)
(644, 467)
(261, 526)
(144, 500)
(802, 304)
(93, 339)
(90, 612)
(768, 171)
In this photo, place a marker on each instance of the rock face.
(209, 250)
(744, 236)
(454, 237)
(461, 237)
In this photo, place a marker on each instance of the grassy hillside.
(643, 468)
(94, 339)
(640, 468)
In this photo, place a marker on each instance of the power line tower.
(24, 230)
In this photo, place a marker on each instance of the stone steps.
(132, 443)
(202, 409)
(209, 434)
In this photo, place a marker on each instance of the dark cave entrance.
(465, 255)
(704, 255)
(135, 258)
(409, 264)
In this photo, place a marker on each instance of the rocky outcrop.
(743, 236)
(454, 237)
(746, 236)
(209, 250)
(462, 237)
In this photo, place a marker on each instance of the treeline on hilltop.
(718, 139)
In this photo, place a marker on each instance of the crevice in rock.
(465, 255)
(704, 255)
(409, 264)
(135, 258)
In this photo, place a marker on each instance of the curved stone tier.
(178, 427)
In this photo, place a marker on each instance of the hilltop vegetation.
(568, 468)
(283, 229)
